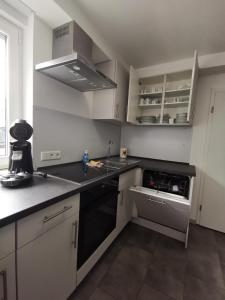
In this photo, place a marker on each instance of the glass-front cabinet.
(166, 99)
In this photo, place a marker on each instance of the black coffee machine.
(20, 160)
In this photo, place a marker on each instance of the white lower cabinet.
(7, 278)
(47, 265)
(47, 252)
(124, 210)
(7, 263)
(125, 204)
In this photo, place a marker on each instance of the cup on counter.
(171, 120)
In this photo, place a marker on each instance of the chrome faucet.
(110, 143)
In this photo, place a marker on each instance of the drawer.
(163, 208)
(34, 225)
(7, 240)
(127, 179)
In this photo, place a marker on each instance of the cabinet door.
(133, 93)
(47, 265)
(121, 93)
(7, 278)
(7, 240)
(193, 89)
(121, 213)
(103, 101)
(124, 210)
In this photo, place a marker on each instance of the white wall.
(157, 142)
(61, 116)
(54, 130)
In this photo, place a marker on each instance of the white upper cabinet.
(166, 99)
(111, 104)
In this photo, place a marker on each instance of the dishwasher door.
(163, 208)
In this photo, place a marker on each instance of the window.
(3, 103)
(10, 84)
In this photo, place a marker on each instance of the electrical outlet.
(51, 155)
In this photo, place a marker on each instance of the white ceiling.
(148, 32)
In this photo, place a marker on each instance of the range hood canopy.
(72, 61)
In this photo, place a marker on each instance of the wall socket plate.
(51, 155)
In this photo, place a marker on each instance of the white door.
(212, 214)
(47, 265)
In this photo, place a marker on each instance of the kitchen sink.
(117, 163)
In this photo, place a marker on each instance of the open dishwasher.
(163, 203)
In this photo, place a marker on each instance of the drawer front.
(7, 240)
(127, 179)
(33, 226)
(161, 209)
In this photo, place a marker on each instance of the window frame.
(14, 77)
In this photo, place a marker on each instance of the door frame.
(210, 117)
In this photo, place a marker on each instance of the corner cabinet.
(163, 100)
(110, 105)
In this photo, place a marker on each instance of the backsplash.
(54, 130)
(172, 144)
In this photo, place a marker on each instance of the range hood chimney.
(72, 61)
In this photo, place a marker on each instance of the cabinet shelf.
(172, 104)
(163, 124)
(151, 94)
(175, 92)
(150, 105)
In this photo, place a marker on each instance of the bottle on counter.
(85, 157)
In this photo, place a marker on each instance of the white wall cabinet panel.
(8, 278)
(111, 104)
(47, 265)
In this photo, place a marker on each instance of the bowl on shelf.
(181, 118)
(146, 119)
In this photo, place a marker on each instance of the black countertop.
(16, 203)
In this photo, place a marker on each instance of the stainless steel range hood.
(73, 63)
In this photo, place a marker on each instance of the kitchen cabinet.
(111, 104)
(8, 278)
(48, 256)
(125, 204)
(7, 263)
(163, 100)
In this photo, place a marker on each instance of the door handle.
(48, 218)
(4, 278)
(74, 242)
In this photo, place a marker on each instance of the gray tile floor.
(145, 265)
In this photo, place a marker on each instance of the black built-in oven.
(97, 219)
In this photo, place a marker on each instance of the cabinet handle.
(75, 235)
(4, 278)
(121, 201)
(156, 201)
(48, 218)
